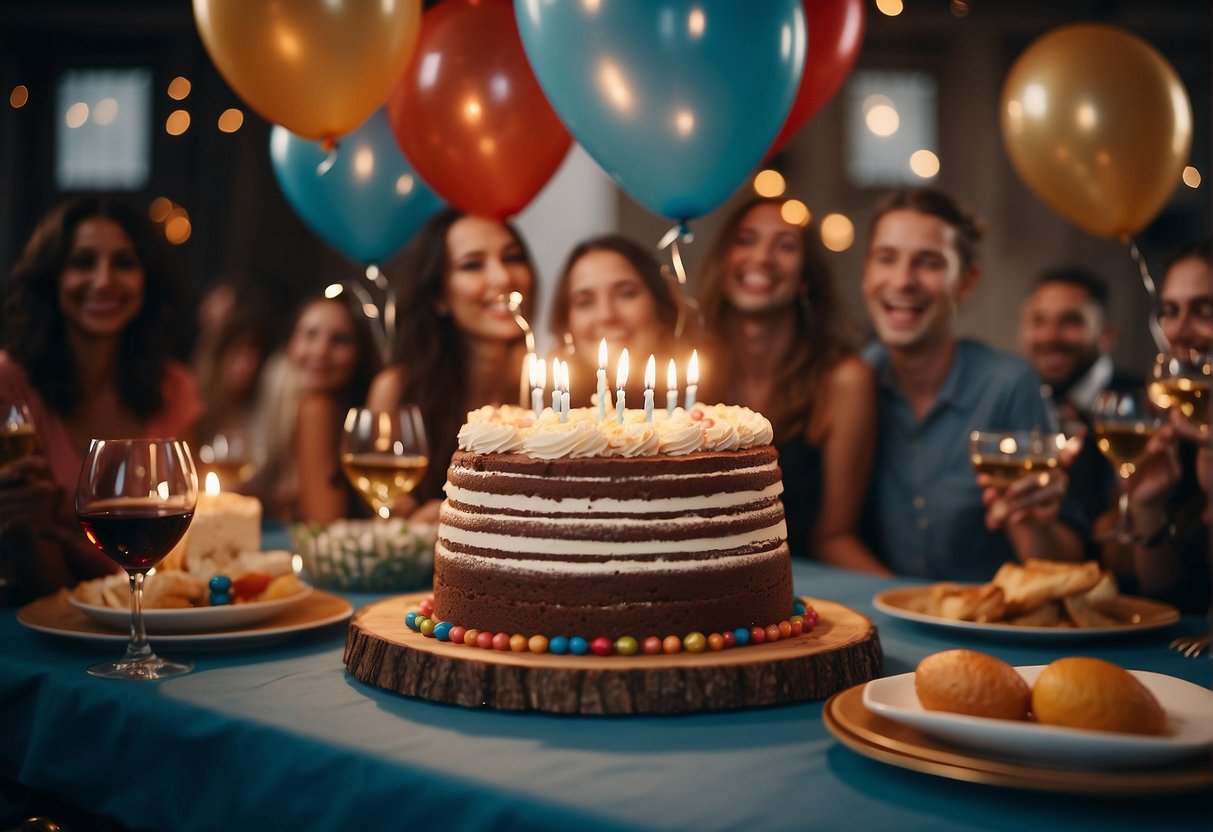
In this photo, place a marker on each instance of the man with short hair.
(1064, 332)
(926, 513)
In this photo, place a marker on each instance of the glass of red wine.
(135, 499)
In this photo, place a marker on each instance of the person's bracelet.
(1165, 532)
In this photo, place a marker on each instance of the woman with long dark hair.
(459, 346)
(784, 347)
(90, 318)
(611, 288)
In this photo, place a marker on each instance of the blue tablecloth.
(282, 738)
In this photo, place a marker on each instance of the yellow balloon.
(1098, 125)
(316, 67)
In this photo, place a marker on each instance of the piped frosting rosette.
(512, 429)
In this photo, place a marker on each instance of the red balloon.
(835, 35)
(469, 114)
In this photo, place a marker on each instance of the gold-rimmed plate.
(54, 615)
(1139, 614)
(877, 738)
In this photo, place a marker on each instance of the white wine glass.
(1006, 455)
(231, 455)
(1180, 381)
(134, 500)
(384, 454)
(16, 433)
(1124, 422)
(16, 442)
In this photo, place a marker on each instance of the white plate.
(1141, 614)
(1188, 708)
(193, 619)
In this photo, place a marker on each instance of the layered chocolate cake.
(599, 529)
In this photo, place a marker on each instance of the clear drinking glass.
(231, 455)
(1006, 455)
(1124, 422)
(1181, 381)
(135, 499)
(384, 454)
(16, 433)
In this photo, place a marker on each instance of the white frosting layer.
(613, 567)
(506, 542)
(511, 429)
(601, 505)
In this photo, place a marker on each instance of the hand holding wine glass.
(135, 499)
(1021, 473)
(384, 454)
(1181, 383)
(1125, 422)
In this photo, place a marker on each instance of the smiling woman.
(459, 344)
(88, 323)
(784, 348)
(612, 289)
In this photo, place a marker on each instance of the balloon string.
(376, 276)
(680, 232)
(514, 304)
(370, 310)
(1160, 340)
(329, 160)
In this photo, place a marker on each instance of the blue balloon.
(368, 204)
(678, 100)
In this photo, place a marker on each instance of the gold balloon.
(1098, 124)
(319, 68)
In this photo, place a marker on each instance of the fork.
(1191, 646)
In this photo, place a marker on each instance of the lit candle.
(650, 381)
(692, 380)
(532, 370)
(621, 380)
(541, 381)
(556, 385)
(564, 391)
(671, 388)
(602, 359)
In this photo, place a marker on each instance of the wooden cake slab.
(842, 650)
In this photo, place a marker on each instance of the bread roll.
(968, 682)
(1080, 692)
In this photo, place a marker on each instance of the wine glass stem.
(138, 649)
(1123, 520)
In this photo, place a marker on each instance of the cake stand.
(842, 650)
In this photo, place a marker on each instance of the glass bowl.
(367, 555)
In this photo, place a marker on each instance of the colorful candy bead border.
(801, 621)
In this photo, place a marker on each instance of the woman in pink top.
(89, 323)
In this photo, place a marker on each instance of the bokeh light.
(177, 123)
(795, 212)
(837, 232)
(230, 120)
(769, 183)
(179, 88)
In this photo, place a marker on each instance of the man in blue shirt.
(926, 513)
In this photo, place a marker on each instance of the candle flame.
(621, 370)
(212, 483)
(671, 376)
(564, 376)
(531, 361)
(541, 374)
(693, 368)
(602, 354)
(555, 373)
(650, 373)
